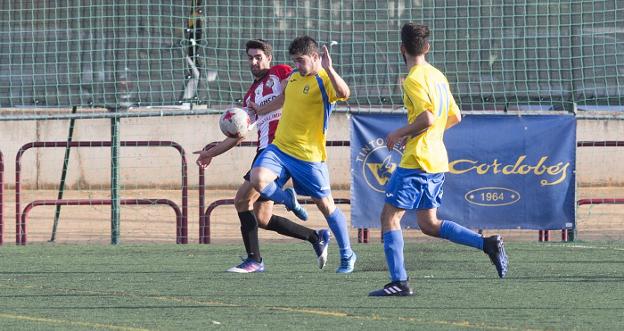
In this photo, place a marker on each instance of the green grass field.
(178, 287)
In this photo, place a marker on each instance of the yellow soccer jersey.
(426, 89)
(309, 100)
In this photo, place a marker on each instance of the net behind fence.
(523, 54)
(526, 55)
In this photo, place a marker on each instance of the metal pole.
(57, 212)
(115, 205)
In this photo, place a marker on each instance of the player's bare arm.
(453, 120)
(272, 106)
(340, 86)
(205, 156)
(420, 124)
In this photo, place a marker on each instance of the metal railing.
(20, 228)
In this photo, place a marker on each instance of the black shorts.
(248, 174)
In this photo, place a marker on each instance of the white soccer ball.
(235, 122)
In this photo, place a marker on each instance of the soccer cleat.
(347, 264)
(495, 249)
(320, 247)
(396, 288)
(248, 266)
(297, 209)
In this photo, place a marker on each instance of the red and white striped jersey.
(262, 92)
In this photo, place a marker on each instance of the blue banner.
(506, 172)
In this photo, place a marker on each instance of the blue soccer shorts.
(309, 178)
(414, 189)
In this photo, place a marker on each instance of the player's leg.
(393, 250)
(268, 167)
(430, 225)
(402, 192)
(266, 220)
(244, 201)
(393, 241)
(263, 209)
(338, 224)
(312, 179)
(428, 199)
(431, 196)
(263, 181)
(493, 246)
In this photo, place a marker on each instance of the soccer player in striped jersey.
(298, 151)
(417, 182)
(253, 210)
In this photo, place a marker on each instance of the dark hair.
(262, 44)
(414, 38)
(303, 45)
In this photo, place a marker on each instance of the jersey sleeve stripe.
(326, 104)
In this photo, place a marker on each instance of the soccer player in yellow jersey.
(253, 211)
(417, 182)
(298, 150)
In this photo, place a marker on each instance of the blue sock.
(460, 235)
(338, 225)
(275, 193)
(393, 247)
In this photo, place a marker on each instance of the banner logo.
(378, 163)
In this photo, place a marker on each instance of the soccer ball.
(234, 122)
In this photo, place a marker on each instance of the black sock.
(249, 232)
(289, 228)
